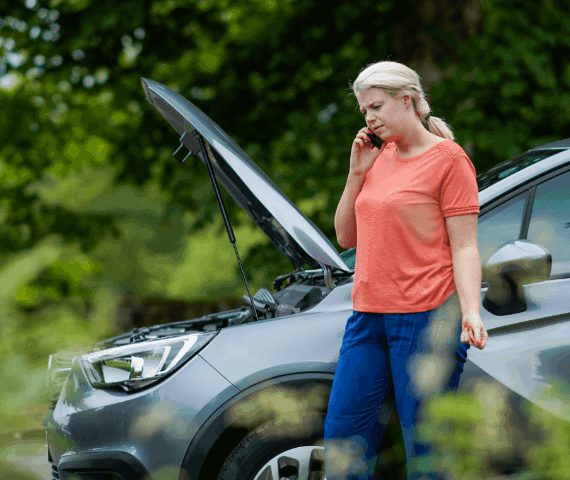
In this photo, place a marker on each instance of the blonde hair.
(396, 79)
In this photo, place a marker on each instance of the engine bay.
(296, 292)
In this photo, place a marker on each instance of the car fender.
(295, 397)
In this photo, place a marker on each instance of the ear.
(408, 102)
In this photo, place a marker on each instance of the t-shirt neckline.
(406, 159)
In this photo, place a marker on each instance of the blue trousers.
(387, 360)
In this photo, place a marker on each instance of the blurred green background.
(101, 229)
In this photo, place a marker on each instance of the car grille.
(54, 473)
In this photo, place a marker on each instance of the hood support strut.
(194, 143)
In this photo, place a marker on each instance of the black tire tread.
(231, 461)
(230, 468)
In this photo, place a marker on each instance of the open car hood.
(289, 229)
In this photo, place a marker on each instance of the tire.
(279, 450)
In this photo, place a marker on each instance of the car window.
(500, 225)
(550, 221)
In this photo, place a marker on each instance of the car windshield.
(511, 166)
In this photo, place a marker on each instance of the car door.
(529, 350)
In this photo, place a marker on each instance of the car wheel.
(278, 451)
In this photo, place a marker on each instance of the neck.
(414, 139)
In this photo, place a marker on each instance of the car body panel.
(307, 342)
(527, 351)
(313, 387)
(287, 227)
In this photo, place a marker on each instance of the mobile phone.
(375, 140)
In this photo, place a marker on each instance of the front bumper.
(101, 434)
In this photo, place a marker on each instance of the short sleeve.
(459, 194)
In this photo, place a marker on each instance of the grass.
(18, 451)
(7, 471)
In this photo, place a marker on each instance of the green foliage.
(511, 90)
(7, 471)
(487, 434)
(550, 455)
(44, 304)
(92, 204)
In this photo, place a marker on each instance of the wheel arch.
(290, 396)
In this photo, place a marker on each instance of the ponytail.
(439, 127)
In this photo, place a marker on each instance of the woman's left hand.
(474, 332)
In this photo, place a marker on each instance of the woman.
(411, 210)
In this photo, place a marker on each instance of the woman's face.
(385, 115)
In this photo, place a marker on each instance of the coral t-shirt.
(403, 254)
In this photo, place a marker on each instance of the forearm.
(467, 275)
(345, 217)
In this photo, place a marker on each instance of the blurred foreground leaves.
(39, 277)
(490, 434)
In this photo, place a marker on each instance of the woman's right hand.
(363, 153)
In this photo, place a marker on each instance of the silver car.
(243, 394)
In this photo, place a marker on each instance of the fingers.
(363, 133)
(476, 332)
(362, 140)
(363, 136)
(484, 337)
(468, 332)
(464, 336)
(467, 337)
(476, 337)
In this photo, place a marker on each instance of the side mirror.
(513, 265)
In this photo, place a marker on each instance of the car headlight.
(139, 365)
